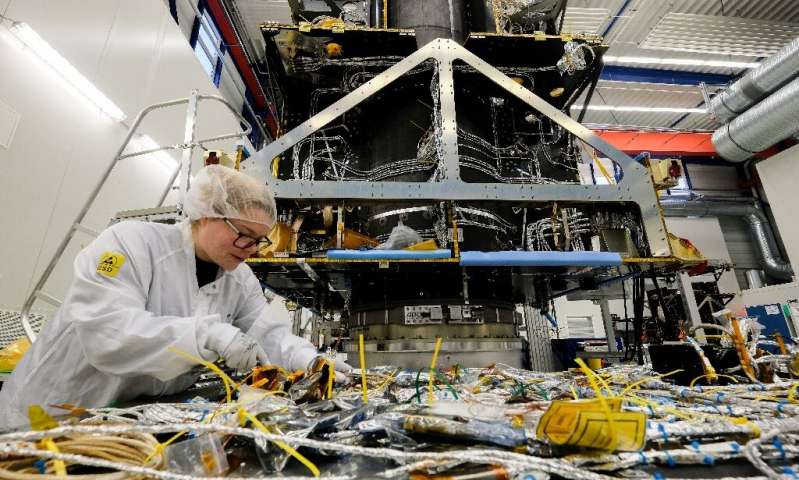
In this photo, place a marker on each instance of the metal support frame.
(635, 187)
(607, 320)
(190, 143)
(540, 354)
(689, 300)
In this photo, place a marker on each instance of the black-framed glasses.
(244, 241)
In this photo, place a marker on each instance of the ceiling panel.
(585, 20)
(622, 94)
(707, 34)
(256, 12)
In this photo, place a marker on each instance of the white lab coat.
(109, 340)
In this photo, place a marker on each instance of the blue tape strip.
(658, 476)
(708, 460)
(781, 406)
(41, 466)
(790, 472)
(670, 460)
(735, 446)
(643, 458)
(387, 254)
(663, 433)
(551, 319)
(540, 259)
(720, 397)
(780, 448)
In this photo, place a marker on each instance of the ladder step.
(82, 228)
(167, 214)
(48, 298)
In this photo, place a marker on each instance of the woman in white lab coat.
(141, 288)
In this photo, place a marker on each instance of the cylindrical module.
(431, 19)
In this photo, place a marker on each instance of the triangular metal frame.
(635, 187)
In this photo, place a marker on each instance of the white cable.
(555, 466)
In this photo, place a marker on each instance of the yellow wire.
(712, 375)
(430, 396)
(364, 390)
(602, 168)
(332, 377)
(574, 392)
(288, 449)
(159, 449)
(633, 385)
(59, 465)
(602, 402)
(602, 382)
(225, 379)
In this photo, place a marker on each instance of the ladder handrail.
(190, 144)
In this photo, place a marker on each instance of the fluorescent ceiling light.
(140, 143)
(612, 108)
(686, 62)
(51, 57)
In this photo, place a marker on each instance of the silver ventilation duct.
(769, 256)
(756, 85)
(770, 121)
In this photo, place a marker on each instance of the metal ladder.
(184, 169)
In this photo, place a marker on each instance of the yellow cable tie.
(330, 380)
(287, 448)
(430, 397)
(162, 446)
(362, 354)
(59, 465)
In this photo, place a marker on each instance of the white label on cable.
(772, 309)
(460, 234)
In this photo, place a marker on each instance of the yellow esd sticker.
(110, 263)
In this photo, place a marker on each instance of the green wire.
(444, 377)
(418, 393)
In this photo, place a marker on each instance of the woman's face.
(216, 240)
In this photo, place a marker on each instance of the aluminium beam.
(635, 187)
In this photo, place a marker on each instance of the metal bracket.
(635, 187)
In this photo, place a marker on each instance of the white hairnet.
(221, 192)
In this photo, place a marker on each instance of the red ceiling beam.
(693, 144)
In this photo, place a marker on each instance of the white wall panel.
(135, 54)
(780, 175)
